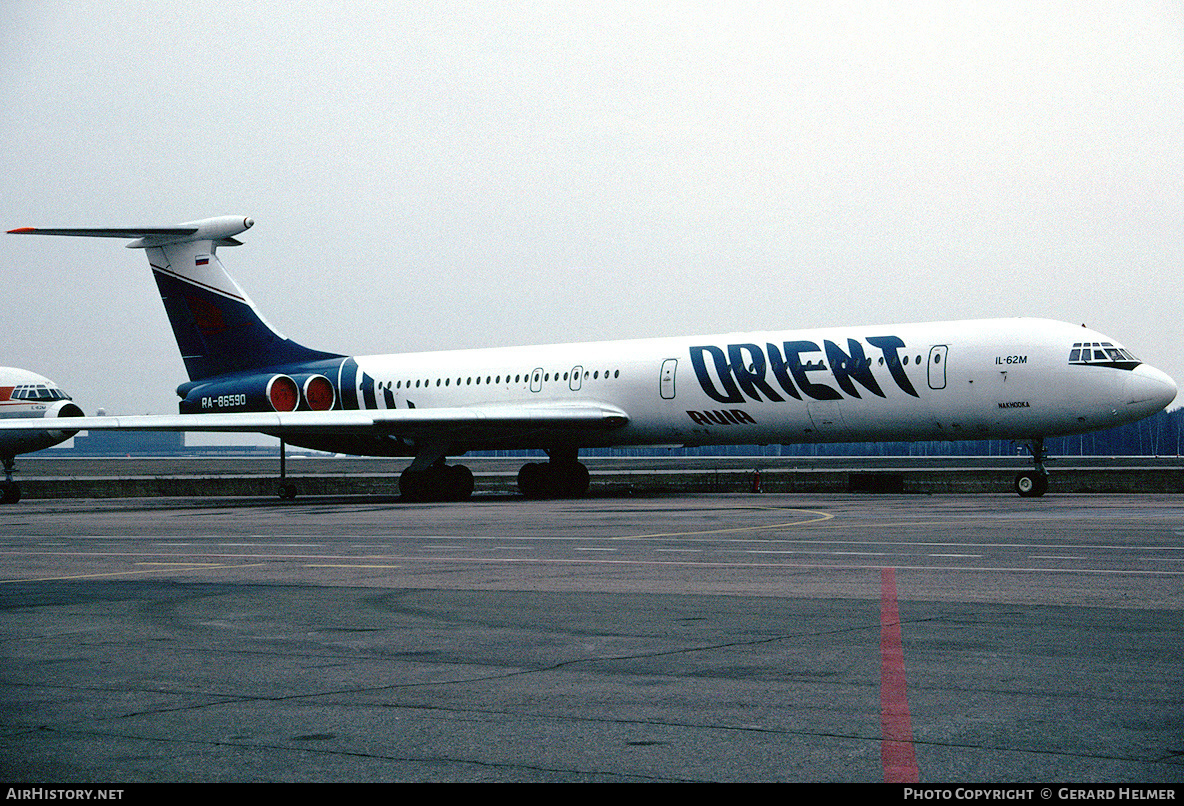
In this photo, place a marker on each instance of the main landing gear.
(430, 479)
(10, 491)
(561, 477)
(1034, 483)
(436, 482)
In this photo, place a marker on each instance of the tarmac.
(623, 637)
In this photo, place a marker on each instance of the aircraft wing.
(436, 423)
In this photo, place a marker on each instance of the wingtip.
(19, 230)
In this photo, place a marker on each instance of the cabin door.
(666, 379)
(937, 366)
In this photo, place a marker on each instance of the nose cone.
(1148, 390)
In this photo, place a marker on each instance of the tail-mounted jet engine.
(317, 393)
(258, 393)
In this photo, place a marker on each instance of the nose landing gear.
(10, 491)
(1034, 483)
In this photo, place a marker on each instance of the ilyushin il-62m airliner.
(1021, 379)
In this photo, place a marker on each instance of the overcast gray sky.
(459, 174)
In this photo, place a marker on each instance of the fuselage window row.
(497, 379)
(867, 362)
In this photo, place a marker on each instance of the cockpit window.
(38, 391)
(1102, 354)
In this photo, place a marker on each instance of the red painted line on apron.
(896, 749)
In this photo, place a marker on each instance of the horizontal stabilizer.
(220, 230)
(131, 232)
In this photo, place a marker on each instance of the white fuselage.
(1005, 378)
(23, 395)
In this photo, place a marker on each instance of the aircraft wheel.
(412, 485)
(458, 482)
(437, 483)
(532, 480)
(571, 479)
(11, 493)
(1031, 485)
(553, 480)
